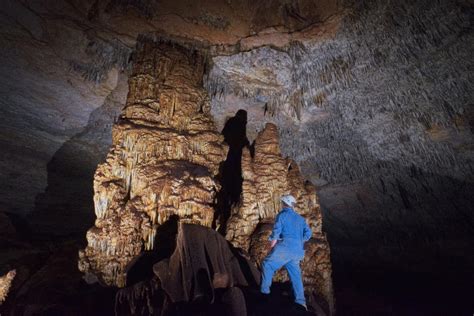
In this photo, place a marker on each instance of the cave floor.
(48, 283)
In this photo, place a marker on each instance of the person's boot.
(264, 298)
(300, 307)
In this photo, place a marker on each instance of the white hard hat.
(288, 200)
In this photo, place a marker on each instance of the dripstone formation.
(266, 177)
(165, 155)
(5, 284)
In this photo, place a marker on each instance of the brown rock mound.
(202, 263)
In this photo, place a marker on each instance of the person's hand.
(272, 244)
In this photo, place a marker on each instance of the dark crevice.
(141, 269)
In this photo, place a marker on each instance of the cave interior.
(129, 122)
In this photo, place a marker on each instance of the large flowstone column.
(164, 158)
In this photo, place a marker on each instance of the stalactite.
(5, 285)
(411, 78)
(103, 55)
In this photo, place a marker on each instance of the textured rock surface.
(50, 108)
(5, 284)
(384, 128)
(379, 117)
(163, 162)
(165, 155)
(62, 62)
(266, 177)
(201, 264)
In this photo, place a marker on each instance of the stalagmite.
(266, 177)
(5, 284)
(165, 154)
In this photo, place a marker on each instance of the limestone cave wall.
(379, 116)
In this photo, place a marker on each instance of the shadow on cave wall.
(230, 175)
(48, 281)
(66, 206)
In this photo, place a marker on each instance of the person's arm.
(307, 233)
(276, 231)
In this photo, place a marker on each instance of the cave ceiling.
(64, 70)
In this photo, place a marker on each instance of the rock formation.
(5, 284)
(164, 160)
(201, 264)
(266, 177)
(165, 155)
(373, 100)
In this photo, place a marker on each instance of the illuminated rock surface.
(201, 265)
(5, 284)
(266, 177)
(164, 157)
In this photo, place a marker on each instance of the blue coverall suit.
(292, 231)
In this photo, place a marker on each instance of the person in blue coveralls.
(289, 234)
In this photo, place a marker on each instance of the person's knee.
(293, 267)
(267, 264)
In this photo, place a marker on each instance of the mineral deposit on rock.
(5, 284)
(266, 177)
(164, 158)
